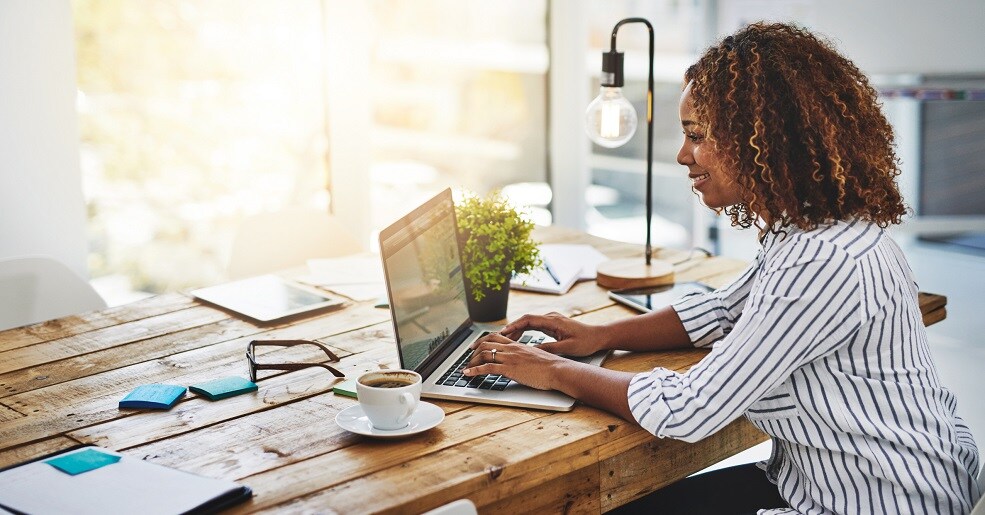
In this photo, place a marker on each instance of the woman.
(820, 342)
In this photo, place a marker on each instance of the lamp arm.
(649, 128)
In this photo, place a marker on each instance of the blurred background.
(195, 114)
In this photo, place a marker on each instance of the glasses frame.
(254, 366)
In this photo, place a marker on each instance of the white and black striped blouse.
(821, 344)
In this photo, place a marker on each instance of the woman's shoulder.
(844, 240)
(854, 236)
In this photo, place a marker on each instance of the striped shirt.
(820, 343)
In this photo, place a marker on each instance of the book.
(564, 264)
(90, 479)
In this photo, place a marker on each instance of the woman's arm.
(659, 330)
(537, 368)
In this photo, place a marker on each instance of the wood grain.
(60, 382)
(85, 322)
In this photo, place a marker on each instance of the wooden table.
(60, 382)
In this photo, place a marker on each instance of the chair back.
(459, 507)
(37, 288)
(274, 241)
(979, 508)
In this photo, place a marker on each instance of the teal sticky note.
(153, 396)
(83, 461)
(223, 388)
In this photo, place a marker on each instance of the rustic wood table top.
(61, 381)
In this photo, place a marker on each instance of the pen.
(547, 266)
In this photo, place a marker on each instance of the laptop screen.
(424, 279)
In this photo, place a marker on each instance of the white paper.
(586, 257)
(569, 262)
(360, 269)
(359, 278)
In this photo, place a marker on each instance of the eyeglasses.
(254, 366)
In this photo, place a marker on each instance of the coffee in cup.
(389, 397)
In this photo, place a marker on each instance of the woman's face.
(717, 186)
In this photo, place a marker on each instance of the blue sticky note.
(153, 396)
(83, 461)
(225, 387)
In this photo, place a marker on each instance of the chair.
(459, 507)
(37, 288)
(284, 239)
(979, 508)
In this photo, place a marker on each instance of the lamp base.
(619, 274)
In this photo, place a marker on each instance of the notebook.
(564, 265)
(94, 480)
(426, 289)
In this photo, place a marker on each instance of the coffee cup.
(389, 397)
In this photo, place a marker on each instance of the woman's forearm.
(658, 330)
(596, 386)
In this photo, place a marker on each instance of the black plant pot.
(492, 307)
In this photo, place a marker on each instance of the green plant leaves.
(496, 242)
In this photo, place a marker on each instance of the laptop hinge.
(428, 366)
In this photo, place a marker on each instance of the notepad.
(224, 388)
(129, 485)
(564, 265)
(552, 277)
(153, 396)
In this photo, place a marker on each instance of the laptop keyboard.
(453, 376)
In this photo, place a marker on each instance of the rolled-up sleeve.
(799, 308)
(710, 316)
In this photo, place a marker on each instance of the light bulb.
(610, 119)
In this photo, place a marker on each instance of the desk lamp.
(610, 122)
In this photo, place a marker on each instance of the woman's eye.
(695, 138)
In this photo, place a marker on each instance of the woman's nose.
(684, 156)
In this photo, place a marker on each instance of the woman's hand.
(573, 338)
(526, 364)
(533, 366)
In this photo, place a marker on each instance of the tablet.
(656, 297)
(266, 297)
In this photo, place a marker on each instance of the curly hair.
(800, 126)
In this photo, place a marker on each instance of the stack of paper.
(564, 264)
(358, 277)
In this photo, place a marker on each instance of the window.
(196, 113)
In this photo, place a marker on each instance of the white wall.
(882, 37)
(41, 206)
(906, 36)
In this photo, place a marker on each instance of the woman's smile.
(698, 180)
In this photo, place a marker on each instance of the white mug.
(389, 397)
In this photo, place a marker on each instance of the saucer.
(425, 417)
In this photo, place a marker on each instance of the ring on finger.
(493, 355)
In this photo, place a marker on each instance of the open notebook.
(564, 265)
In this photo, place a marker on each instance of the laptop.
(426, 289)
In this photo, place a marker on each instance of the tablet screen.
(266, 297)
(649, 299)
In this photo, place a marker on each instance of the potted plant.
(495, 243)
